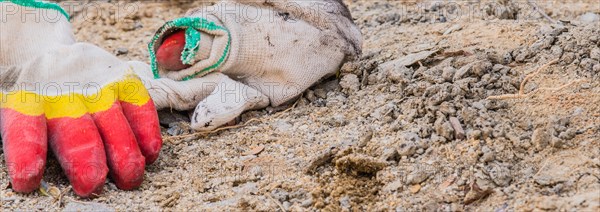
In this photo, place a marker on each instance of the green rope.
(192, 43)
(40, 5)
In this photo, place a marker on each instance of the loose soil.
(438, 133)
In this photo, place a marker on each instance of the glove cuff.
(207, 47)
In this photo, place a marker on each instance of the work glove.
(91, 107)
(269, 52)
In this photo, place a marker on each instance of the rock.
(337, 100)
(459, 132)
(416, 177)
(321, 93)
(438, 94)
(310, 96)
(408, 144)
(365, 138)
(87, 206)
(568, 135)
(353, 67)
(448, 73)
(307, 202)
(475, 193)
(462, 72)
(444, 129)
(589, 18)
(557, 142)
(588, 64)
(399, 75)
(474, 134)
(568, 57)
(350, 83)
(393, 186)
(500, 174)
(286, 205)
(488, 154)
(414, 188)
(596, 68)
(478, 105)
(507, 58)
(122, 51)
(540, 138)
(595, 53)
(480, 68)
(522, 54)
(557, 51)
(345, 203)
(390, 154)
(447, 108)
(375, 78)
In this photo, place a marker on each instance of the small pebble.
(350, 83)
(122, 51)
(414, 188)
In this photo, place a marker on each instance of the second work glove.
(253, 54)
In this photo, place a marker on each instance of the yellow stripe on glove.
(74, 105)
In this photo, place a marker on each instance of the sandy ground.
(435, 133)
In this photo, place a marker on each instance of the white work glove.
(273, 52)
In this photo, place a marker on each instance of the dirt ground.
(450, 108)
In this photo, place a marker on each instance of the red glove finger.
(142, 116)
(77, 145)
(125, 159)
(25, 146)
(144, 123)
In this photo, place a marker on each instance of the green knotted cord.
(192, 45)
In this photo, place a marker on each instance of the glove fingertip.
(25, 147)
(124, 157)
(144, 123)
